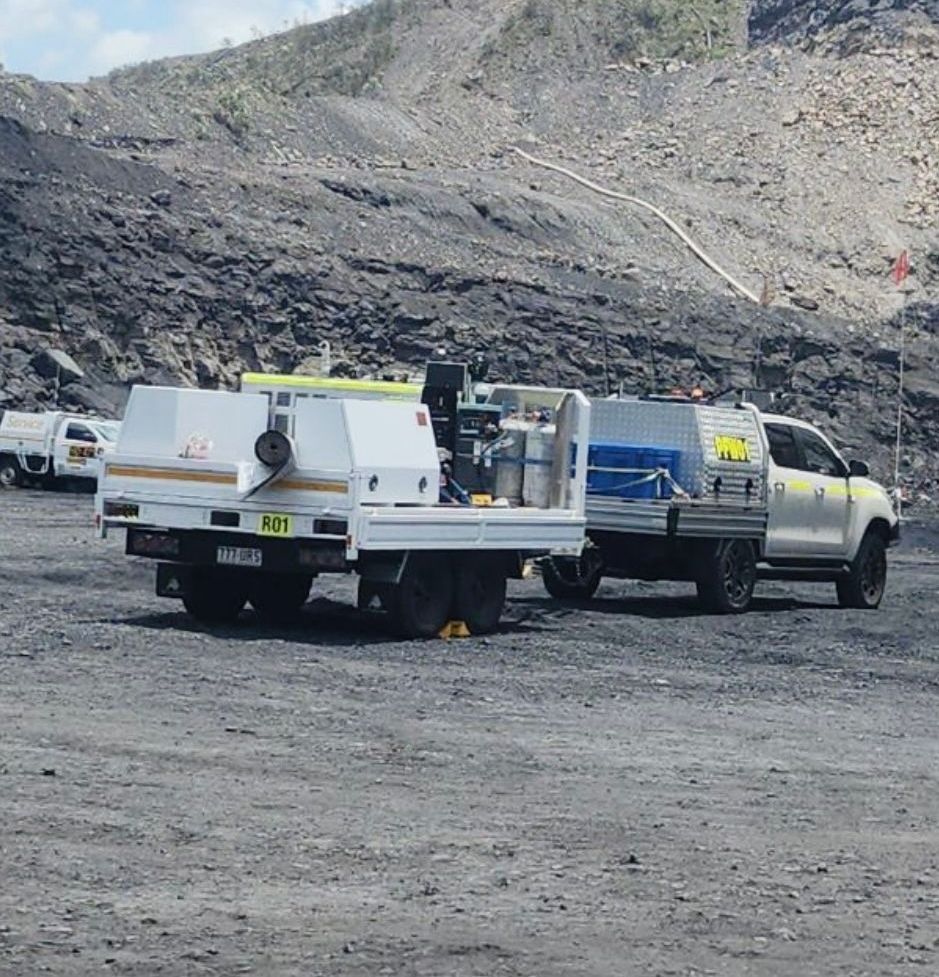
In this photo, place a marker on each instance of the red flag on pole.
(901, 269)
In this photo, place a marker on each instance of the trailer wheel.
(573, 577)
(419, 604)
(728, 578)
(479, 593)
(279, 597)
(10, 472)
(863, 587)
(215, 596)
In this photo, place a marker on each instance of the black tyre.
(728, 577)
(572, 577)
(479, 593)
(10, 472)
(420, 603)
(864, 585)
(279, 597)
(215, 596)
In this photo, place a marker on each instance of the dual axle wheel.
(218, 596)
(433, 590)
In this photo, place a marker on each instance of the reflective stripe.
(171, 474)
(219, 478)
(305, 485)
(838, 489)
(862, 492)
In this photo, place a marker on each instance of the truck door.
(788, 493)
(76, 451)
(829, 510)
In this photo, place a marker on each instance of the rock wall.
(848, 24)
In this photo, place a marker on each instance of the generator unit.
(477, 434)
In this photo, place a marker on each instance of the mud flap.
(173, 580)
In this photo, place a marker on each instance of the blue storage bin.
(638, 460)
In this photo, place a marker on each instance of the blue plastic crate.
(634, 463)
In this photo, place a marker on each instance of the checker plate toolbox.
(663, 467)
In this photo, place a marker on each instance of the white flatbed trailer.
(235, 511)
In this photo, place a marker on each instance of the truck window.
(78, 432)
(819, 458)
(106, 431)
(782, 446)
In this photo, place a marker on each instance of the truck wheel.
(573, 577)
(10, 472)
(279, 597)
(864, 584)
(419, 605)
(215, 597)
(726, 585)
(479, 593)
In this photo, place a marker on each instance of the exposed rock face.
(311, 190)
(848, 24)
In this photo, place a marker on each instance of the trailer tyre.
(10, 472)
(479, 594)
(278, 598)
(214, 596)
(572, 577)
(863, 586)
(728, 578)
(419, 604)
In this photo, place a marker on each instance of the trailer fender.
(385, 568)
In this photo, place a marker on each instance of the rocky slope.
(351, 181)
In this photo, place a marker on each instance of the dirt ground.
(623, 788)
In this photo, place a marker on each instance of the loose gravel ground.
(627, 787)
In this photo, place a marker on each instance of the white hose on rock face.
(603, 191)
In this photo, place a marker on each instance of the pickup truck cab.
(827, 519)
(723, 495)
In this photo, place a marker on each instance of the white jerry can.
(510, 459)
(539, 457)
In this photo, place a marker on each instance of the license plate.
(275, 524)
(238, 556)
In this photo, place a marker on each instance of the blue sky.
(71, 40)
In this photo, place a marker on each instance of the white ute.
(722, 495)
(52, 444)
(237, 508)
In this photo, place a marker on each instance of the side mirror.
(859, 469)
